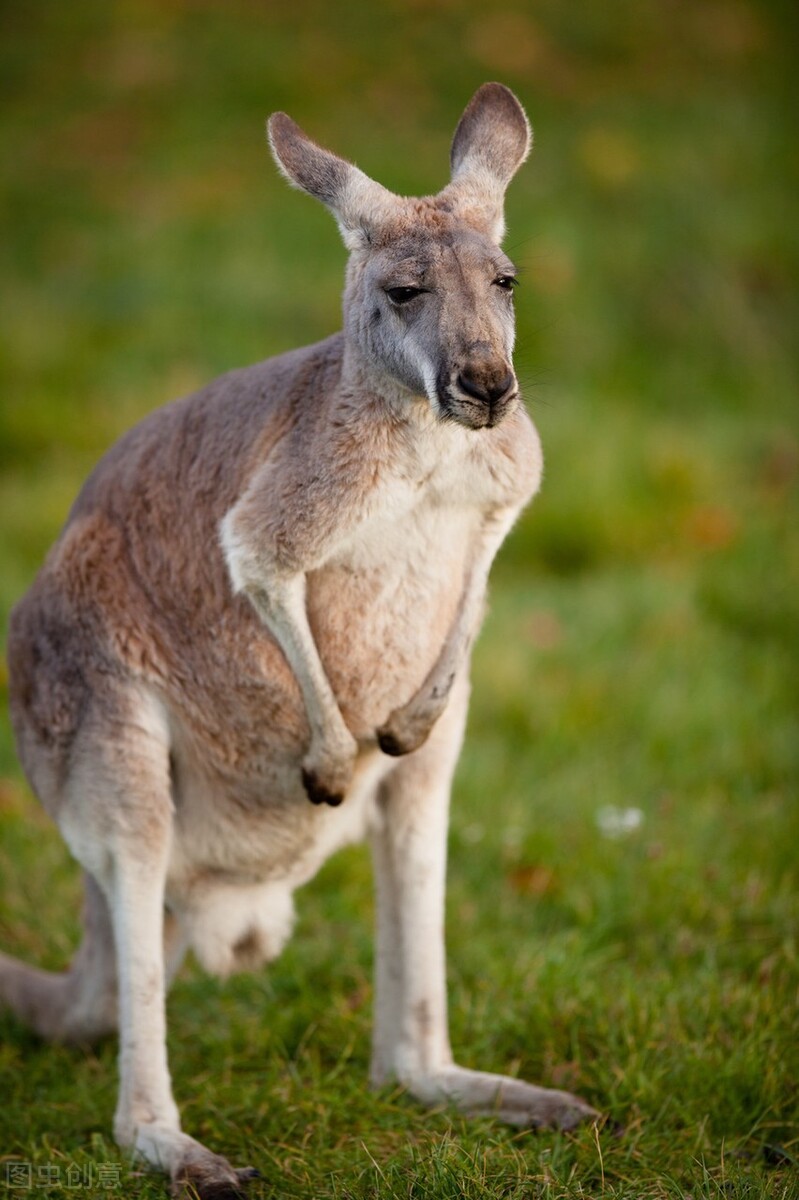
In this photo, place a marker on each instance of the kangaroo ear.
(357, 202)
(491, 142)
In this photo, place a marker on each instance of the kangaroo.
(266, 594)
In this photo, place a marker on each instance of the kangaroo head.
(429, 298)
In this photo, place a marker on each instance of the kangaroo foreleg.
(282, 528)
(328, 765)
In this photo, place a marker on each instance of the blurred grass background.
(641, 647)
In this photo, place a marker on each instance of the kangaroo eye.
(401, 295)
(506, 282)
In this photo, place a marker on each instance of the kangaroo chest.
(382, 606)
(381, 612)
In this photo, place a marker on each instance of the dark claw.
(389, 744)
(212, 1178)
(317, 793)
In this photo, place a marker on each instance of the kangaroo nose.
(485, 385)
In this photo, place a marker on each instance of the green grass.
(641, 647)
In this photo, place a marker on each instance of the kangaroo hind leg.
(127, 805)
(115, 809)
(411, 1040)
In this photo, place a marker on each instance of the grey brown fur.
(265, 593)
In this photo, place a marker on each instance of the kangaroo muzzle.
(479, 395)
